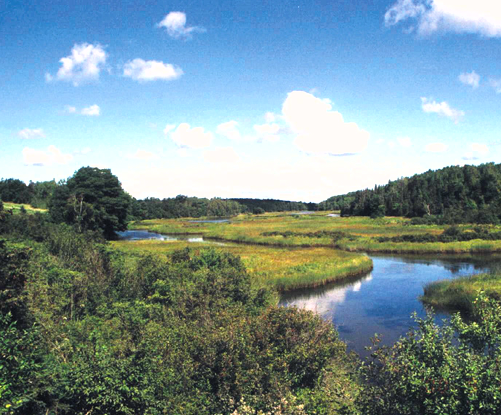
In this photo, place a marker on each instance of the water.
(383, 300)
(380, 302)
(210, 221)
(142, 235)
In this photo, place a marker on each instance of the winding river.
(381, 301)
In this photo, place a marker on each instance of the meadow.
(281, 268)
(357, 234)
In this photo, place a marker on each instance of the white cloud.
(268, 132)
(70, 110)
(175, 24)
(470, 78)
(229, 130)
(30, 134)
(168, 128)
(436, 148)
(196, 137)
(43, 158)
(460, 16)
(144, 71)
(221, 155)
(144, 155)
(269, 117)
(93, 110)
(496, 84)
(84, 64)
(477, 151)
(441, 108)
(318, 129)
(479, 148)
(404, 141)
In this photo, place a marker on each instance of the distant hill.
(451, 195)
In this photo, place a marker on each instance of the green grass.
(281, 268)
(319, 230)
(459, 294)
(16, 208)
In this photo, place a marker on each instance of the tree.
(93, 199)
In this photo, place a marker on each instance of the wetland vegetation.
(150, 327)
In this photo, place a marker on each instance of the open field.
(282, 268)
(16, 207)
(319, 230)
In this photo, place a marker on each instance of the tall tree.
(93, 199)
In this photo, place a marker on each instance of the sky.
(296, 100)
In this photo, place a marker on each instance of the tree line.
(87, 329)
(450, 195)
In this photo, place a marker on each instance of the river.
(381, 301)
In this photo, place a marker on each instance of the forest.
(89, 329)
(468, 194)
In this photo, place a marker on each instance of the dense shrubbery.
(124, 334)
(435, 371)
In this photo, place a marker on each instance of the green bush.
(433, 371)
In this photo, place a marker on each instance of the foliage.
(432, 372)
(92, 199)
(468, 194)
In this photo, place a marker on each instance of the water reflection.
(383, 301)
(146, 235)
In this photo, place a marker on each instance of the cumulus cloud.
(496, 84)
(83, 65)
(470, 78)
(318, 129)
(221, 155)
(436, 148)
(197, 137)
(175, 24)
(144, 71)
(93, 110)
(267, 132)
(229, 130)
(30, 134)
(144, 155)
(460, 16)
(44, 158)
(404, 141)
(441, 108)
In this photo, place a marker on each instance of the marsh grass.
(317, 230)
(282, 268)
(459, 294)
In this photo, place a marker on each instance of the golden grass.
(16, 207)
(282, 268)
(358, 233)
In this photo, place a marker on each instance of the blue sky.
(296, 100)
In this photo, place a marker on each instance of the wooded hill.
(449, 195)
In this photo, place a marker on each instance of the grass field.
(459, 294)
(282, 268)
(320, 230)
(16, 208)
